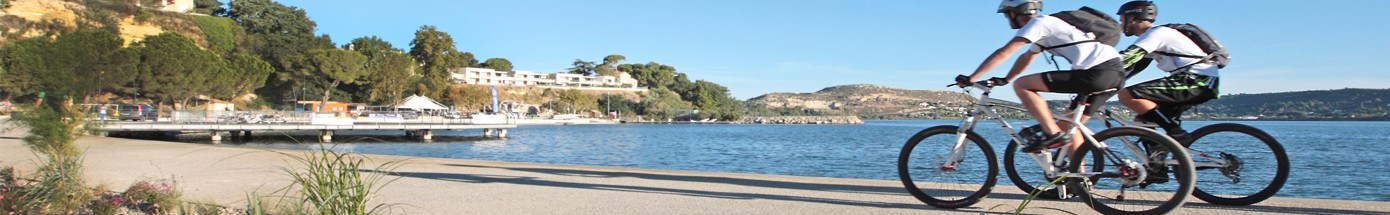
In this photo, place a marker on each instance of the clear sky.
(765, 46)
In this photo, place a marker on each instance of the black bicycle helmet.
(1142, 10)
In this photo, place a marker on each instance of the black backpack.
(1216, 53)
(1090, 20)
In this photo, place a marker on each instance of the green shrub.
(218, 31)
(144, 16)
(332, 183)
(58, 187)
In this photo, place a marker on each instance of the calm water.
(1330, 160)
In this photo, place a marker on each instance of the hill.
(865, 101)
(879, 102)
(1343, 104)
(29, 18)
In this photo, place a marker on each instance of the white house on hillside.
(485, 76)
(181, 6)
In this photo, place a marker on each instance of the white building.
(485, 76)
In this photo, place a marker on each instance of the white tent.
(420, 103)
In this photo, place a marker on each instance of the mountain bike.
(1237, 164)
(951, 166)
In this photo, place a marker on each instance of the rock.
(801, 120)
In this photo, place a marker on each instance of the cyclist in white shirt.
(1094, 67)
(1192, 81)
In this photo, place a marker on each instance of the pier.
(244, 123)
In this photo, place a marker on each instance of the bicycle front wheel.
(1125, 186)
(931, 174)
(1237, 164)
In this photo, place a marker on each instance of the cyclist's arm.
(998, 57)
(1022, 64)
(1135, 61)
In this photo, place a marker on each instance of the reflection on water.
(866, 151)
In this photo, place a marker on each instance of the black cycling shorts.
(1105, 76)
(1178, 92)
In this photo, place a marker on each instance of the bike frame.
(1052, 166)
(1210, 161)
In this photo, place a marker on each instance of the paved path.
(224, 175)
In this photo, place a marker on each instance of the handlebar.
(982, 84)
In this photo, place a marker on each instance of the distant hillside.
(1343, 104)
(865, 101)
(879, 102)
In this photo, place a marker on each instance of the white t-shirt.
(1165, 39)
(1051, 31)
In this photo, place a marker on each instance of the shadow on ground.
(876, 190)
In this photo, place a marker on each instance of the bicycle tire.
(1010, 167)
(1090, 190)
(1245, 140)
(970, 196)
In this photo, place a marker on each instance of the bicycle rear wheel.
(922, 167)
(1255, 165)
(1123, 188)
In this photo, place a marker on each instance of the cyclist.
(1191, 81)
(1094, 67)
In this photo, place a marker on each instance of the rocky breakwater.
(801, 120)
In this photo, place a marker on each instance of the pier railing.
(313, 118)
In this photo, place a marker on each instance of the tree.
(209, 7)
(391, 70)
(23, 62)
(247, 73)
(97, 60)
(617, 103)
(469, 97)
(651, 74)
(577, 100)
(330, 67)
(499, 64)
(610, 64)
(79, 63)
(276, 33)
(582, 67)
(279, 32)
(173, 68)
(714, 101)
(660, 103)
(435, 51)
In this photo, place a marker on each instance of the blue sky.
(759, 47)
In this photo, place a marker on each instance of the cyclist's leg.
(1163, 100)
(1027, 88)
(1100, 77)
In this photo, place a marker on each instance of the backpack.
(1216, 53)
(1087, 19)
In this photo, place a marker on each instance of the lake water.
(1330, 160)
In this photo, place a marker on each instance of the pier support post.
(326, 136)
(501, 133)
(216, 137)
(487, 132)
(245, 135)
(426, 135)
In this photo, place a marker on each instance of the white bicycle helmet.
(1024, 7)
